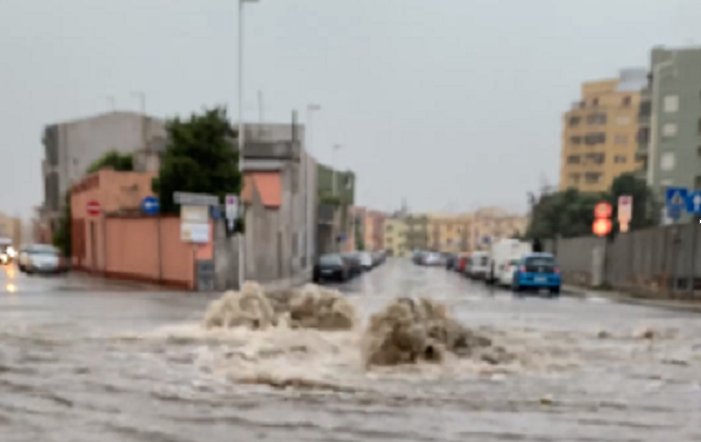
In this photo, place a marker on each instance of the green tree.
(63, 236)
(567, 213)
(199, 157)
(113, 159)
(645, 210)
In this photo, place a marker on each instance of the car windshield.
(43, 250)
(540, 261)
(330, 260)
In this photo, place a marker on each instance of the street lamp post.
(241, 134)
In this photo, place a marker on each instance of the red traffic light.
(603, 210)
(602, 226)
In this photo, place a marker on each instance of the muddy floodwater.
(117, 365)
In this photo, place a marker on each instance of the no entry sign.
(93, 208)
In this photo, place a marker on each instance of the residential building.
(280, 194)
(395, 236)
(71, 147)
(449, 232)
(336, 224)
(491, 223)
(11, 227)
(670, 119)
(417, 232)
(369, 231)
(599, 139)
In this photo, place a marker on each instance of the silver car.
(40, 258)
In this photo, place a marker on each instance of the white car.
(39, 258)
(365, 260)
(433, 259)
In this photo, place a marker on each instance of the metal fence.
(662, 260)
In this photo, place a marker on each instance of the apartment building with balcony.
(599, 137)
(670, 120)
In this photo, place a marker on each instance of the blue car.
(537, 271)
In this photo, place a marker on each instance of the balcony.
(326, 214)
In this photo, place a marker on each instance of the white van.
(503, 258)
(478, 265)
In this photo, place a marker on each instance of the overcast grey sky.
(450, 103)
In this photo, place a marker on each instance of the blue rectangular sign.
(675, 201)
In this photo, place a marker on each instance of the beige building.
(599, 139)
(11, 227)
(395, 236)
(492, 223)
(466, 232)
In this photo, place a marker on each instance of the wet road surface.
(86, 361)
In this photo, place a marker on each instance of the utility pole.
(241, 135)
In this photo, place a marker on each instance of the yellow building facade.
(599, 139)
(11, 227)
(395, 236)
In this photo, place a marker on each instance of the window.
(598, 118)
(595, 102)
(573, 159)
(670, 103)
(594, 138)
(592, 177)
(620, 139)
(619, 159)
(699, 128)
(623, 120)
(576, 140)
(667, 161)
(669, 130)
(574, 121)
(643, 135)
(626, 101)
(596, 158)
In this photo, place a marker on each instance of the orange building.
(118, 241)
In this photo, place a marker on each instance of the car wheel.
(516, 288)
(554, 292)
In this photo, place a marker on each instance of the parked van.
(504, 256)
(478, 265)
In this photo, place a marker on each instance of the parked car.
(501, 254)
(418, 257)
(537, 271)
(505, 276)
(40, 258)
(366, 262)
(352, 260)
(7, 252)
(462, 262)
(433, 259)
(478, 266)
(331, 267)
(451, 261)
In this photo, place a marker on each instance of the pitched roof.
(267, 184)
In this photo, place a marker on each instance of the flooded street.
(82, 363)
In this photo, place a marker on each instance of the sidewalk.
(617, 296)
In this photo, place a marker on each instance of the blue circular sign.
(150, 205)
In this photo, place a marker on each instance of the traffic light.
(602, 219)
